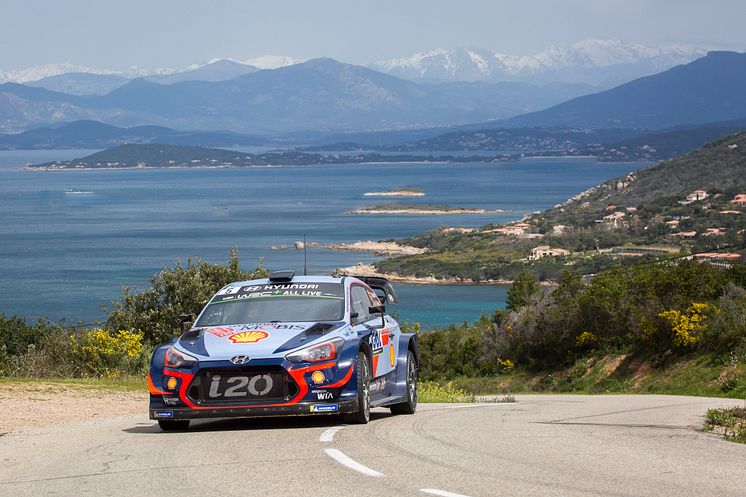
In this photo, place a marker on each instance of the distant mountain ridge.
(709, 89)
(320, 94)
(91, 134)
(598, 62)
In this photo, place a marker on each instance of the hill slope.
(707, 90)
(645, 214)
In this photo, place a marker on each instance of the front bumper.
(299, 409)
(336, 394)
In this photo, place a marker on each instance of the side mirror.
(185, 322)
(375, 309)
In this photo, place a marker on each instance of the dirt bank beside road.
(28, 404)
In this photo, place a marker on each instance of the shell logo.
(392, 355)
(318, 377)
(252, 336)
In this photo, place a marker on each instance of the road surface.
(542, 445)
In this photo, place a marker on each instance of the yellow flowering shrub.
(688, 326)
(505, 364)
(430, 391)
(109, 354)
(586, 339)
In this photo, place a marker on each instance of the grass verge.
(698, 375)
(731, 423)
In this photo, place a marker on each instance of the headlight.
(175, 359)
(316, 353)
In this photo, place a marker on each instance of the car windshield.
(275, 302)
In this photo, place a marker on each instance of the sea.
(68, 256)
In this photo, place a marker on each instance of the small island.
(402, 191)
(424, 209)
(158, 155)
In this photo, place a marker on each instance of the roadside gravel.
(36, 404)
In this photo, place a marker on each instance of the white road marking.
(351, 463)
(328, 435)
(442, 493)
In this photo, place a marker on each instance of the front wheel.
(173, 425)
(410, 405)
(362, 415)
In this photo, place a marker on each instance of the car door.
(383, 341)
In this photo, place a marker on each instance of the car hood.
(253, 339)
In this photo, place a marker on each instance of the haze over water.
(63, 255)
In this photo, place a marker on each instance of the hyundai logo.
(240, 359)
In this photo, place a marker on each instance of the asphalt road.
(542, 445)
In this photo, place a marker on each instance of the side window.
(360, 303)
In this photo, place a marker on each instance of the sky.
(118, 34)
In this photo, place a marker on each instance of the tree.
(524, 289)
(177, 290)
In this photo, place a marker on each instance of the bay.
(63, 255)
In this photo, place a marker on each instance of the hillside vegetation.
(642, 216)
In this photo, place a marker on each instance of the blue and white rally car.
(287, 345)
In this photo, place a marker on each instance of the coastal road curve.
(541, 445)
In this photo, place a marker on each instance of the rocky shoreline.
(362, 269)
(428, 212)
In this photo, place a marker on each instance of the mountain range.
(603, 63)
(708, 89)
(320, 94)
(329, 96)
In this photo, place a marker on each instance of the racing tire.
(173, 425)
(410, 405)
(362, 415)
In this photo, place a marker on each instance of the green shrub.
(175, 291)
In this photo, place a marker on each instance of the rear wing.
(382, 284)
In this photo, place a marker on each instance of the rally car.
(287, 345)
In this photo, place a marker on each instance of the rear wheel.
(410, 406)
(362, 416)
(173, 425)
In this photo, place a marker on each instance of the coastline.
(362, 269)
(428, 212)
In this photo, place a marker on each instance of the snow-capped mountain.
(46, 71)
(598, 62)
(50, 70)
(272, 61)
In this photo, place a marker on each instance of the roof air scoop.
(281, 276)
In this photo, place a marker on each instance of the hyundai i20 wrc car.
(287, 345)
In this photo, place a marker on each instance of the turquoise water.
(64, 255)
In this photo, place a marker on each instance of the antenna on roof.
(305, 257)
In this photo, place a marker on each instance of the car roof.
(296, 279)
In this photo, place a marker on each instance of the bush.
(177, 290)
(102, 352)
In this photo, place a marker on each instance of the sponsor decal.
(378, 339)
(318, 377)
(221, 331)
(323, 394)
(171, 383)
(164, 414)
(392, 355)
(252, 336)
(375, 341)
(229, 291)
(312, 290)
(325, 408)
(272, 326)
